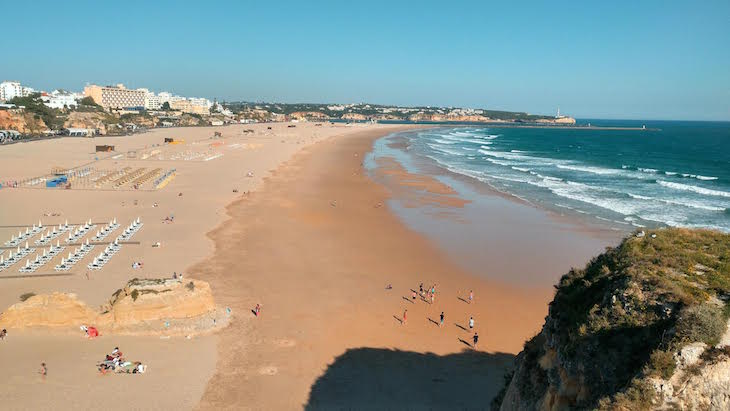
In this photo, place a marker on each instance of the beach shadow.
(462, 299)
(253, 312)
(375, 378)
(467, 343)
(409, 300)
(433, 321)
(461, 326)
(400, 320)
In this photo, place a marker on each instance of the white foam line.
(699, 190)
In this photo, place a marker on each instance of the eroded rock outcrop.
(151, 300)
(142, 306)
(48, 310)
(643, 326)
(22, 121)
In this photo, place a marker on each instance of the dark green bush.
(704, 322)
(26, 296)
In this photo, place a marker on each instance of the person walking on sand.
(257, 310)
(471, 323)
(471, 296)
(441, 321)
(414, 296)
(433, 295)
(476, 340)
(43, 370)
(405, 317)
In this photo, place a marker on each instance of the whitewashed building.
(11, 89)
(60, 99)
(152, 101)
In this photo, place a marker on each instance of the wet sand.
(316, 247)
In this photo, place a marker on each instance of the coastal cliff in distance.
(643, 326)
(463, 118)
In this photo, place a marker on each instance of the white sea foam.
(524, 170)
(438, 140)
(588, 169)
(683, 203)
(445, 150)
(460, 134)
(692, 204)
(699, 177)
(696, 189)
(640, 197)
(648, 170)
(500, 163)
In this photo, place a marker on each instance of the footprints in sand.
(268, 370)
(285, 343)
(281, 343)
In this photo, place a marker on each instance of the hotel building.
(115, 97)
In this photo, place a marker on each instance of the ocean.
(672, 174)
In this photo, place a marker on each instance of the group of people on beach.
(116, 362)
(428, 295)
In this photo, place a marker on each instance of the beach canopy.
(93, 332)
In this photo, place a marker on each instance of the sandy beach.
(196, 199)
(298, 227)
(316, 247)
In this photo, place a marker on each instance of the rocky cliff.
(90, 120)
(22, 121)
(449, 117)
(642, 326)
(142, 306)
(354, 116)
(308, 115)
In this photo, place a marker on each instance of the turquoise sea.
(672, 174)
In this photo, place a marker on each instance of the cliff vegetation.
(642, 326)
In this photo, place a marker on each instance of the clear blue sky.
(609, 59)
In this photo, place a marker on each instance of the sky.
(611, 59)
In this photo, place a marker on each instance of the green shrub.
(661, 364)
(705, 323)
(26, 296)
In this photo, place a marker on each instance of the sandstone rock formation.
(22, 121)
(142, 306)
(48, 310)
(354, 116)
(89, 120)
(308, 115)
(151, 300)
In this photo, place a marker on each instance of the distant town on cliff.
(117, 110)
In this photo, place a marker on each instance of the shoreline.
(309, 238)
(315, 249)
